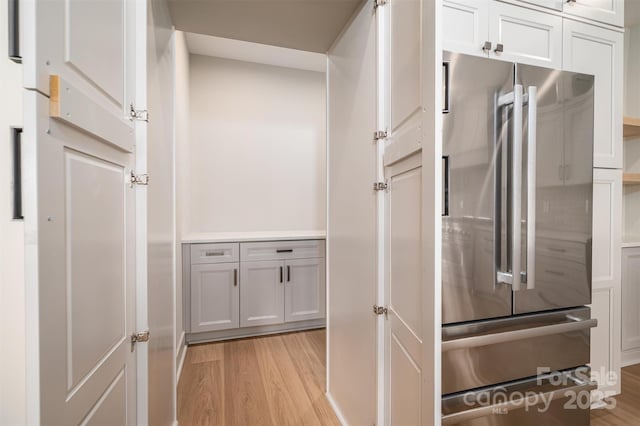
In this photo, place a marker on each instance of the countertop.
(228, 237)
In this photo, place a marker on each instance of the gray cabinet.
(215, 296)
(238, 289)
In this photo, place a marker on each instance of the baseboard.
(336, 410)
(180, 356)
(241, 333)
(630, 357)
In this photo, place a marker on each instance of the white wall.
(256, 150)
(12, 308)
(181, 135)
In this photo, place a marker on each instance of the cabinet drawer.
(214, 253)
(282, 250)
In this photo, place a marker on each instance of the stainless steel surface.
(558, 223)
(558, 399)
(474, 131)
(519, 189)
(532, 96)
(478, 354)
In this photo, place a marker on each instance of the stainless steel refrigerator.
(516, 242)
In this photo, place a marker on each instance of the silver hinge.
(139, 337)
(135, 179)
(380, 186)
(379, 135)
(379, 310)
(138, 114)
(378, 3)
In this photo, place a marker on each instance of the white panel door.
(352, 222)
(593, 50)
(465, 26)
(304, 295)
(261, 293)
(630, 305)
(80, 252)
(404, 291)
(527, 36)
(215, 297)
(606, 278)
(607, 11)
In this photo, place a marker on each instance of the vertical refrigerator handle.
(531, 187)
(516, 188)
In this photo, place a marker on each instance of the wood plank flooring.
(627, 410)
(274, 380)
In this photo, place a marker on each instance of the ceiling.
(310, 25)
(631, 13)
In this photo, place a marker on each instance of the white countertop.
(227, 237)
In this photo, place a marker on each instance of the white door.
(404, 290)
(582, 43)
(261, 293)
(526, 36)
(79, 212)
(304, 294)
(215, 297)
(607, 11)
(465, 27)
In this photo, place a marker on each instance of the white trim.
(630, 357)
(336, 410)
(326, 254)
(180, 357)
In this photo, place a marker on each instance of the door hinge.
(135, 179)
(139, 337)
(380, 186)
(378, 3)
(379, 135)
(380, 310)
(138, 114)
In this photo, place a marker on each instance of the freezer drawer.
(498, 351)
(559, 399)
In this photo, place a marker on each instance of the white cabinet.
(606, 265)
(304, 295)
(262, 293)
(597, 51)
(215, 300)
(511, 33)
(607, 11)
(630, 304)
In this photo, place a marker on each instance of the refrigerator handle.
(516, 189)
(530, 276)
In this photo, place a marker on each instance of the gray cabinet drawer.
(214, 253)
(281, 250)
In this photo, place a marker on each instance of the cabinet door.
(466, 26)
(304, 295)
(593, 50)
(606, 299)
(550, 4)
(215, 297)
(261, 293)
(527, 36)
(631, 300)
(607, 11)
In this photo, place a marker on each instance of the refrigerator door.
(474, 129)
(557, 189)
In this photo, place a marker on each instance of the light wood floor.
(627, 410)
(275, 380)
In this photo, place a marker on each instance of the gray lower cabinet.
(304, 290)
(215, 296)
(251, 288)
(262, 293)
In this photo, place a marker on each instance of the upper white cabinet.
(502, 31)
(593, 50)
(606, 11)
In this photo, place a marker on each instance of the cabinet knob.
(486, 47)
(572, 1)
(499, 48)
